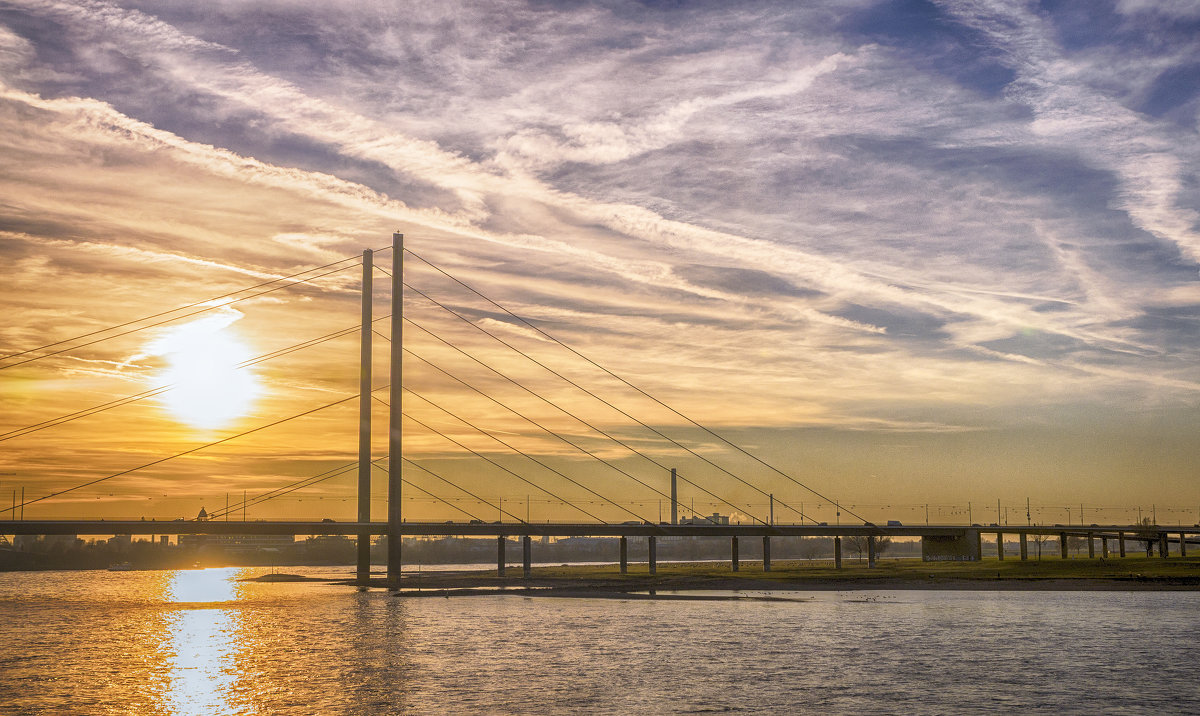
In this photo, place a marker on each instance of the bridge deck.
(172, 527)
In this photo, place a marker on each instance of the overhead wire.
(517, 450)
(155, 391)
(337, 472)
(531, 421)
(542, 332)
(481, 456)
(194, 304)
(570, 414)
(499, 508)
(468, 513)
(166, 321)
(89, 483)
(597, 397)
(256, 500)
(328, 475)
(123, 401)
(87, 412)
(180, 308)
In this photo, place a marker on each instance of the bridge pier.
(527, 555)
(1121, 543)
(870, 551)
(624, 555)
(395, 413)
(395, 416)
(1062, 544)
(1103, 548)
(837, 552)
(1024, 547)
(1182, 544)
(363, 542)
(1091, 545)
(1164, 550)
(1000, 546)
(652, 554)
(501, 543)
(733, 551)
(766, 554)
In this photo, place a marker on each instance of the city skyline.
(908, 253)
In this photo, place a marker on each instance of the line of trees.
(143, 554)
(859, 545)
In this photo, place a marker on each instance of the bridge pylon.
(395, 419)
(363, 572)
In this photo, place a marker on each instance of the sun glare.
(209, 391)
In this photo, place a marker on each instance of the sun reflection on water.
(202, 642)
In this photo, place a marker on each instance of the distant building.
(713, 519)
(232, 544)
(327, 541)
(42, 543)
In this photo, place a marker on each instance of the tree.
(1076, 543)
(1038, 541)
(857, 544)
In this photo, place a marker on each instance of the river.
(201, 642)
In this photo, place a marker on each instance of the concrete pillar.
(1024, 548)
(766, 554)
(837, 552)
(527, 555)
(1104, 548)
(1091, 545)
(1000, 546)
(733, 550)
(365, 405)
(652, 554)
(501, 543)
(1182, 544)
(624, 555)
(870, 551)
(1062, 544)
(1163, 549)
(395, 511)
(1121, 543)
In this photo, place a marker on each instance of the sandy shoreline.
(687, 580)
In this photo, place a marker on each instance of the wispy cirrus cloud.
(954, 217)
(1149, 162)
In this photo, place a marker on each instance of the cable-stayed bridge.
(596, 498)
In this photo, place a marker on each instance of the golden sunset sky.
(908, 253)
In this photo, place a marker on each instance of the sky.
(909, 253)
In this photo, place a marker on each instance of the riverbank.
(1131, 573)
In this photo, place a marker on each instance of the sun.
(209, 389)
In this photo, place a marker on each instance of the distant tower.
(202, 516)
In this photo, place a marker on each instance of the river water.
(201, 642)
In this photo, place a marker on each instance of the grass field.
(991, 573)
(905, 569)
